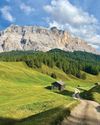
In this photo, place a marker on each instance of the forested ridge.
(70, 62)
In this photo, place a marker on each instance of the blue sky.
(80, 17)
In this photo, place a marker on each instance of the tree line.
(70, 62)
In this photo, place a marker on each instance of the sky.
(79, 17)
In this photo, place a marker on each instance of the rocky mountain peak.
(39, 38)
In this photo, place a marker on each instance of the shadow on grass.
(87, 95)
(96, 88)
(50, 117)
(48, 87)
(64, 92)
(7, 121)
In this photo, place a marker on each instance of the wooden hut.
(58, 85)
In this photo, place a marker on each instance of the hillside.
(24, 97)
(69, 62)
(69, 79)
(96, 94)
(92, 93)
(40, 39)
(25, 80)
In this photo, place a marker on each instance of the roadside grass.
(92, 94)
(45, 118)
(96, 96)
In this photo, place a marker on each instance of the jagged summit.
(39, 38)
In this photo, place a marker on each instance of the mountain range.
(40, 39)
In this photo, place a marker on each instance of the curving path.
(86, 113)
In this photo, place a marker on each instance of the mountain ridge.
(40, 38)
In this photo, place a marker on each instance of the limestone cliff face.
(39, 38)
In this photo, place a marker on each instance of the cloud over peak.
(67, 16)
(26, 8)
(6, 14)
(68, 13)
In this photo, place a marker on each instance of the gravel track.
(86, 113)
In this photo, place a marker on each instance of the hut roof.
(60, 83)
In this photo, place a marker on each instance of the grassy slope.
(23, 96)
(72, 82)
(92, 94)
(96, 94)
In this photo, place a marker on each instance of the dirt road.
(86, 113)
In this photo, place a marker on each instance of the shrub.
(83, 76)
(53, 75)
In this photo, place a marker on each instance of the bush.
(78, 75)
(30, 63)
(83, 76)
(53, 75)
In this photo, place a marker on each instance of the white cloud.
(8, 0)
(68, 13)
(26, 8)
(66, 16)
(95, 46)
(6, 14)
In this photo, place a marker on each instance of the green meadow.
(70, 80)
(25, 99)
